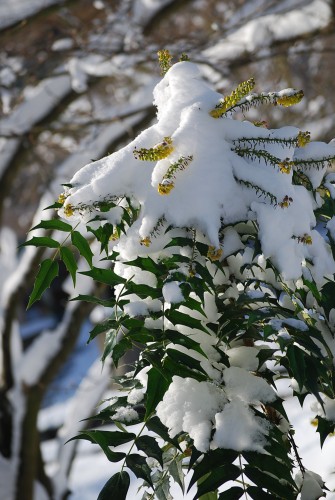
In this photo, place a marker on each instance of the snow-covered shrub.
(217, 238)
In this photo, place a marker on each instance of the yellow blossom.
(303, 139)
(287, 200)
(231, 100)
(214, 253)
(262, 123)
(165, 188)
(158, 152)
(306, 239)
(146, 241)
(61, 198)
(165, 60)
(290, 99)
(324, 192)
(114, 236)
(68, 210)
(191, 272)
(285, 166)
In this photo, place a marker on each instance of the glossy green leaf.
(258, 494)
(325, 427)
(234, 493)
(53, 224)
(212, 460)
(83, 246)
(106, 276)
(41, 241)
(270, 483)
(296, 358)
(139, 466)
(150, 447)
(70, 262)
(120, 349)
(95, 300)
(176, 471)
(104, 441)
(156, 426)
(48, 271)
(269, 464)
(213, 495)
(157, 386)
(179, 318)
(116, 487)
(216, 478)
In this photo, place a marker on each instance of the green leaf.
(149, 445)
(143, 291)
(155, 425)
(296, 358)
(70, 262)
(216, 478)
(109, 324)
(82, 245)
(213, 495)
(110, 438)
(270, 483)
(139, 466)
(173, 367)
(119, 350)
(106, 276)
(104, 441)
(179, 318)
(157, 386)
(185, 360)
(48, 271)
(146, 264)
(95, 300)
(258, 494)
(53, 224)
(212, 460)
(55, 206)
(232, 494)
(41, 241)
(184, 340)
(269, 464)
(176, 471)
(313, 288)
(116, 487)
(325, 427)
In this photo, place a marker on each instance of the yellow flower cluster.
(303, 139)
(165, 60)
(191, 272)
(68, 210)
(146, 241)
(114, 236)
(61, 198)
(158, 152)
(229, 101)
(167, 183)
(286, 202)
(285, 166)
(165, 187)
(262, 123)
(323, 191)
(306, 239)
(291, 99)
(214, 253)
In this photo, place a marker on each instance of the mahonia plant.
(217, 252)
